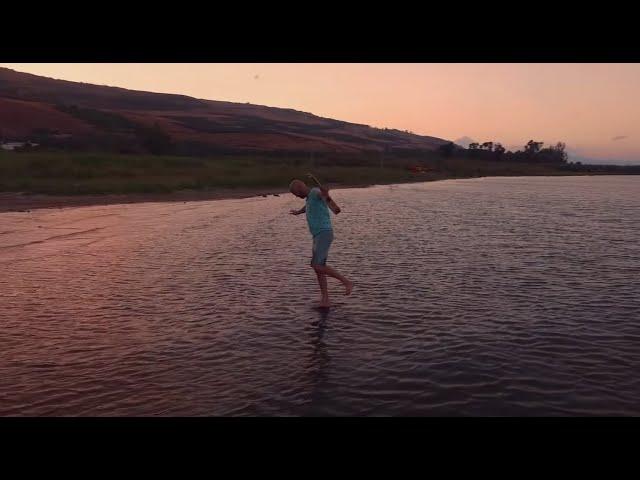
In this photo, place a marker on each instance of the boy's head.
(299, 188)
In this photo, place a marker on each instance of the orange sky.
(584, 105)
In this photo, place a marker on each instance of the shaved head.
(299, 188)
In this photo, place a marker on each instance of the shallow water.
(496, 296)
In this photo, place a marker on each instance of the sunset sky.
(593, 108)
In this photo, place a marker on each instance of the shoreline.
(25, 202)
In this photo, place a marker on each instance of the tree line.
(532, 152)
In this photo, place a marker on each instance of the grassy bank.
(82, 174)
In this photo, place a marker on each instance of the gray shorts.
(321, 244)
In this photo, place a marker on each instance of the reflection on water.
(502, 296)
(319, 358)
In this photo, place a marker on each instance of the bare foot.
(348, 287)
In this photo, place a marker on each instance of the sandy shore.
(22, 202)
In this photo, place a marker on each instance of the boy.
(319, 222)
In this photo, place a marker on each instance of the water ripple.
(499, 296)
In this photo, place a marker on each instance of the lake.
(491, 296)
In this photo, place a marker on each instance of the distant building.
(14, 145)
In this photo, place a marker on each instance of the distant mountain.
(464, 141)
(83, 116)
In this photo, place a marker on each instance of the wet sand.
(22, 202)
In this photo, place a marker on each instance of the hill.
(84, 117)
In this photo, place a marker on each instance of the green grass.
(78, 173)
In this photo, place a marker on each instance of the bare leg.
(326, 270)
(324, 291)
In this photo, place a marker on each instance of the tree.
(487, 146)
(532, 148)
(561, 152)
(499, 150)
(446, 150)
(473, 150)
(554, 154)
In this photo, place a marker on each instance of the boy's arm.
(298, 212)
(324, 193)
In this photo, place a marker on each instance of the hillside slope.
(84, 117)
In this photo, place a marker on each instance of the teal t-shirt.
(318, 217)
